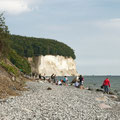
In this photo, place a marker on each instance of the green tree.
(4, 36)
(8, 52)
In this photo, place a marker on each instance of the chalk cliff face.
(49, 64)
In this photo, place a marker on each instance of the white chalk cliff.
(50, 64)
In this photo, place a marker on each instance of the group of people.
(106, 84)
(38, 76)
(59, 82)
(78, 81)
(62, 82)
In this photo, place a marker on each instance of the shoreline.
(59, 103)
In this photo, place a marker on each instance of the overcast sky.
(90, 27)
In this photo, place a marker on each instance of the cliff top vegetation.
(31, 46)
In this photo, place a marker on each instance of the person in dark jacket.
(81, 79)
(53, 78)
(40, 76)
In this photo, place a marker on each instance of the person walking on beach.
(65, 80)
(53, 78)
(106, 85)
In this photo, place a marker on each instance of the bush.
(9, 68)
(19, 62)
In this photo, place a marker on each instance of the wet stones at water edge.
(91, 89)
(111, 93)
(99, 90)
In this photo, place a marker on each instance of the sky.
(90, 27)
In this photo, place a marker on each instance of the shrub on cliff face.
(19, 62)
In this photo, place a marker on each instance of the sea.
(95, 82)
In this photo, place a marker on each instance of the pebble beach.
(59, 103)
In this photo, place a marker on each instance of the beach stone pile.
(45, 101)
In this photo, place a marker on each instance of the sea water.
(95, 82)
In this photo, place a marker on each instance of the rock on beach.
(59, 103)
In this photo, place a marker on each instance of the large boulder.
(74, 80)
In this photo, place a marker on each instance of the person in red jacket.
(106, 85)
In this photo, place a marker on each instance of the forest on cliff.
(31, 46)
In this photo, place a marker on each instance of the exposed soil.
(9, 84)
